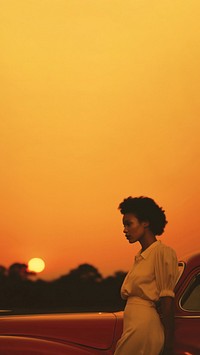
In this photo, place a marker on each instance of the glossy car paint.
(187, 323)
(12, 345)
(93, 333)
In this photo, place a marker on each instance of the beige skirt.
(142, 330)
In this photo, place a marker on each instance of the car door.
(187, 318)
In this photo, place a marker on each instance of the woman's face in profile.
(133, 228)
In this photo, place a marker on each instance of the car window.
(191, 298)
(181, 268)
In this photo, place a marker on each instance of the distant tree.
(3, 273)
(110, 290)
(17, 289)
(82, 289)
(85, 273)
(3, 287)
(79, 288)
(19, 272)
(120, 276)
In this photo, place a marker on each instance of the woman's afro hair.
(145, 209)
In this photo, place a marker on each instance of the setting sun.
(36, 265)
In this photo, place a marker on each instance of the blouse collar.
(143, 255)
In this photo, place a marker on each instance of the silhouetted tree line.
(81, 290)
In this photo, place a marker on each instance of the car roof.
(190, 262)
(192, 259)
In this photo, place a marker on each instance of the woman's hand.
(166, 311)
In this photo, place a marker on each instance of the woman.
(150, 282)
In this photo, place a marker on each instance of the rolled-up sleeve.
(166, 271)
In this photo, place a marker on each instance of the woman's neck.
(147, 240)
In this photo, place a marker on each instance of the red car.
(97, 333)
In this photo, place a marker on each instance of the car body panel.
(95, 330)
(187, 322)
(12, 345)
(187, 336)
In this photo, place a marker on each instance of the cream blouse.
(153, 275)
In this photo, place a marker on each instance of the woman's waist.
(140, 301)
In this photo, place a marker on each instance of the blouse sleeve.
(166, 271)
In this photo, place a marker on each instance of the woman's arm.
(167, 317)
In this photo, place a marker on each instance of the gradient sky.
(99, 100)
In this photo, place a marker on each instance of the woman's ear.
(146, 224)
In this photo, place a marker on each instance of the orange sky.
(99, 101)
